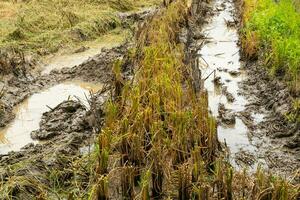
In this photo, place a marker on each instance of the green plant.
(274, 30)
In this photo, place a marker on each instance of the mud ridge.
(271, 98)
(65, 135)
(275, 136)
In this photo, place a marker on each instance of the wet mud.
(53, 117)
(60, 132)
(32, 75)
(37, 162)
(96, 69)
(275, 136)
(250, 114)
(28, 114)
(249, 104)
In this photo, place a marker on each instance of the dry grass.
(46, 26)
(8, 9)
(154, 123)
(163, 133)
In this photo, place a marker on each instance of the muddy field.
(249, 104)
(40, 143)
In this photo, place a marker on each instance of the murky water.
(72, 59)
(221, 54)
(29, 113)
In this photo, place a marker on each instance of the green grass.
(273, 29)
(47, 25)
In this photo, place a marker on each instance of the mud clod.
(217, 81)
(66, 117)
(230, 98)
(234, 73)
(81, 49)
(220, 69)
(294, 143)
(225, 115)
(6, 114)
(245, 158)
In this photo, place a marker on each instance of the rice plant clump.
(159, 141)
(157, 121)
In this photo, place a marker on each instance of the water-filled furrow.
(67, 60)
(220, 57)
(28, 114)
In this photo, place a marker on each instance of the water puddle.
(72, 59)
(29, 113)
(221, 54)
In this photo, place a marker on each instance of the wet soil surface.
(277, 139)
(90, 67)
(59, 135)
(37, 162)
(29, 113)
(96, 69)
(62, 131)
(249, 104)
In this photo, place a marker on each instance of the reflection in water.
(29, 113)
(71, 60)
(221, 54)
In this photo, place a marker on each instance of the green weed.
(274, 29)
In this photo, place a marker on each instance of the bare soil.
(276, 138)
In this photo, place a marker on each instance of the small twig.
(2, 92)
(235, 53)
(207, 65)
(49, 107)
(218, 54)
(78, 99)
(210, 74)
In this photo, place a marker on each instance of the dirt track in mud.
(96, 69)
(276, 140)
(66, 131)
(249, 104)
(66, 128)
